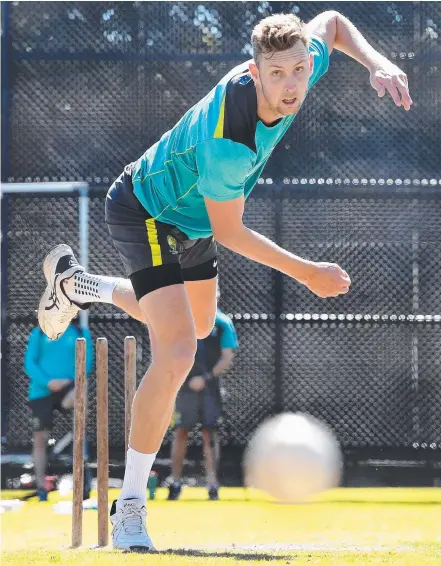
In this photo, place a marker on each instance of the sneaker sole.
(134, 548)
(49, 265)
(49, 331)
(140, 549)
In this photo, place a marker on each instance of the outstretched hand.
(388, 77)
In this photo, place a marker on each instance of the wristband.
(208, 376)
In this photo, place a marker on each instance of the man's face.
(283, 79)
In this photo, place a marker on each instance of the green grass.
(345, 526)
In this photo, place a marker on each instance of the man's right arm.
(223, 167)
(323, 279)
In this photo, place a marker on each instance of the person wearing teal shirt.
(170, 207)
(50, 366)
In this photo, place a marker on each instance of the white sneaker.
(129, 529)
(55, 310)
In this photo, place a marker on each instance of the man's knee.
(182, 357)
(204, 326)
(177, 360)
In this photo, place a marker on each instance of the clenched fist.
(197, 383)
(327, 280)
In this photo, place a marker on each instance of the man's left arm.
(339, 33)
(224, 363)
(228, 344)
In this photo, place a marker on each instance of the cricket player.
(168, 209)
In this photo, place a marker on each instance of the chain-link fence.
(119, 74)
(365, 363)
(87, 87)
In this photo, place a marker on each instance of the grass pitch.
(344, 526)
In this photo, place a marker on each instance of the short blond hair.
(277, 33)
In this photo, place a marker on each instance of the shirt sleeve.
(228, 333)
(320, 53)
(223, 166)
(31, 367)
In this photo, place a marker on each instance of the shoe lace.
(132, 521)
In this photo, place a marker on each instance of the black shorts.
(155, 254)
(43, 408)
(193, 407)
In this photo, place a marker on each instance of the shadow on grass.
(309, 503)
(248, 556)
(377, 502)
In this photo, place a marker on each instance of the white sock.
(87, 288)
(138, 467)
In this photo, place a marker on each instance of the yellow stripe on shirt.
(219, 131)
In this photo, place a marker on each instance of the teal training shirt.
(53, 359)
(218, 150)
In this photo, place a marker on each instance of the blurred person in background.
(200, 401)
(50, 366)
(170, 207)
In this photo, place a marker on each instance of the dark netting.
(370, 238)
(103, 256)
(92, 85)
(381, 276)
(248, 388)
(20, 416)
(356, 377)
(427, 238)
(34, 225)
(115, 332)
(159, 28)
(347, 374)
(19, 425)
(121, 73)
(427, 384)
(250, 385)
(349, 132)
(253, 291)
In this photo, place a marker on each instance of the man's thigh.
(199, 271)
(157, 255)
(142, 242)
(203, 303)
(169, 319)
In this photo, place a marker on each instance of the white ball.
(293, 457)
